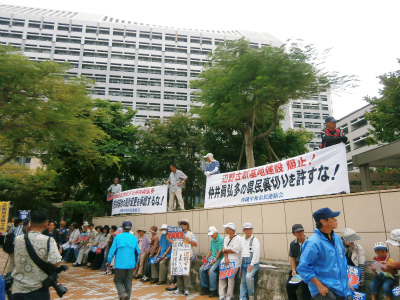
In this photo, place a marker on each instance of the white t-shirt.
(234, 244)
(255, 249)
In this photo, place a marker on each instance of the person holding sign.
(354, 252)
(125, 248)
(212, 166)
(184, 283)
(323, 265)
(214, 256)
(294, 258)
(385, 276)
(231, 251)
(159, 270)
(250, 262)
(176, 179)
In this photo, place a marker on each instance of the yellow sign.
(4, 216)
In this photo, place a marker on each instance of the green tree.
(384, 117)
(177, 139)
(244, 88)
(40, 108)
(86, 179)
(27, 189)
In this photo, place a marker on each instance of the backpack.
(8, 246)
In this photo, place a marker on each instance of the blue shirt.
(325, 260)
(211, 166)
(126, 250)
(164, 244)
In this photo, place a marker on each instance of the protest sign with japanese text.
(180, 258)
(4, 216)
(353, 274)
(141, 201)
(226, 271)
(315, 173)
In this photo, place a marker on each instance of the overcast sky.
(364, 35)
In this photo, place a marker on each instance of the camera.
(52, 281)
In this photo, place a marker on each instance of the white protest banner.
(321, 172)
(180, 258)
(141, 201)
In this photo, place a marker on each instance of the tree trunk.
(241, 155)
(248, 139)
(269, 150)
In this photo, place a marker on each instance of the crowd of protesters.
(318, 263)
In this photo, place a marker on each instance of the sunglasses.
(183, 223)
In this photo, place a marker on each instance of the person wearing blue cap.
(331, 135)
(126, 250)
(323, 263)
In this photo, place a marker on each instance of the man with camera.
(36, 261)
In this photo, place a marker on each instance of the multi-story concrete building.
(310, 114)
(145, 67)
(355, 127)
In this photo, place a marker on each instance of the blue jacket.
(211, 166)
(164, 244)
(126, 250)
(321, 259)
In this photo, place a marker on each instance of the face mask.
(164, 232)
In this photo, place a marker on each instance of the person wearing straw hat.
(394, 240)
(250, 262)
(153, 249)
(355, 254)
(184, 283)
(212, 166)
(144, 245)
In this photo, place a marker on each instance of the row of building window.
(306, 115)
(313, 106)
(108, 31)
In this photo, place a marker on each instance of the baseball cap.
(380, 245)
(127, 224)
(324, 213)
(349, 235)
(297, 227)
(141, 229)
(230, 225)
(85, 223)
(394, 238)
(209, 155)
(164, 226)
(212, 230)
(330, 119)
(247, 226)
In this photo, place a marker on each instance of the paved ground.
(86, 284)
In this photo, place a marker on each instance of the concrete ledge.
(270, 284)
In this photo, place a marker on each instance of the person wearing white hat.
(209, 283)
(250, 262)
(231, 251)
(159, 270)
(212, 166)
(355, 254)
(393, 241)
